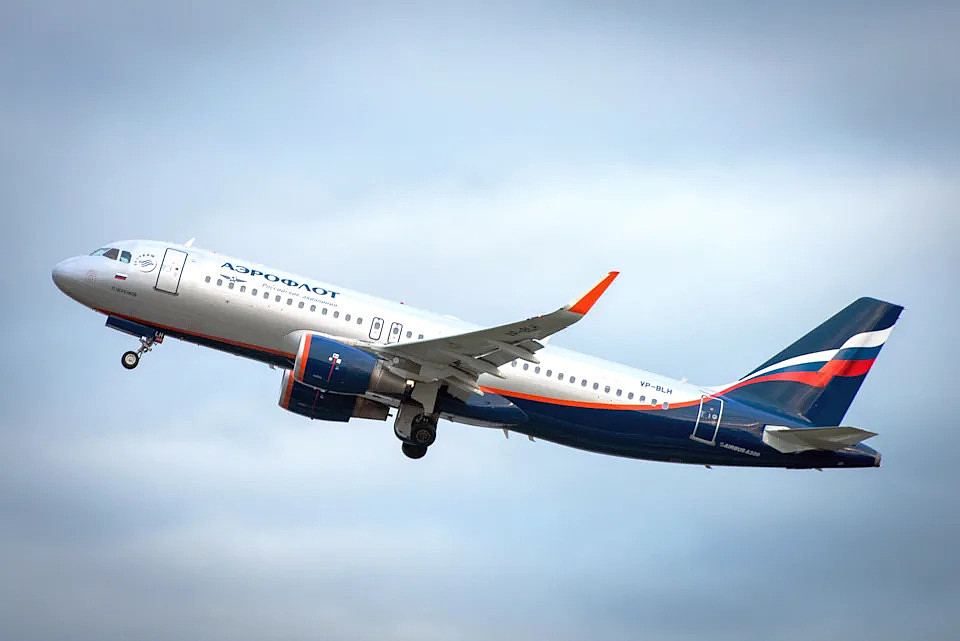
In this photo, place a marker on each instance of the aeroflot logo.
(319, 291)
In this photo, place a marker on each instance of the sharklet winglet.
(583, 305)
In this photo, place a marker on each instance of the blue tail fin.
(816, 378)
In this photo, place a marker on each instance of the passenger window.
(359, 321)
(583, 383)
(619, 392)
(300, 304)
(666, 405)
(536, 370)
(596, 386)
(207, 279)
(253, 292)
(347, 318)
(219, 282)
(336, 314)
(289, 301)
(313, 308)
(642, 399)
(396, 330)
(111, 253)
(124, 257)
(324, 311)
(420, 337)
(630, 395)
(653, 401)
(278, 298)
(409, 334)
(243, 289)
(526, 366)
(573, 380)
(230, 285)
(549, 373)
(607, 389)
(266, 295)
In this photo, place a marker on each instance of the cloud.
(750, 169)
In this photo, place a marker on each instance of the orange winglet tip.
(583, 305)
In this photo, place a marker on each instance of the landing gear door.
(708, 420)
(171, 269)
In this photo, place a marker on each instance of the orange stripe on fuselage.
(586, 404)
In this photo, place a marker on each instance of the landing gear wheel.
(424, 433)
(130, 359)
(414, 451)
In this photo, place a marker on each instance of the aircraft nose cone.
(64, 275)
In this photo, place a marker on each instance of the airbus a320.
(349, 355)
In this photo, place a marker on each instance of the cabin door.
(171, 269)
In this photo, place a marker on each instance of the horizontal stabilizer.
(789, 440)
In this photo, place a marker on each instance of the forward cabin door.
(708, 420)
(171, 269)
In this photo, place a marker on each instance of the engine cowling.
(311, 402)
(332, 366)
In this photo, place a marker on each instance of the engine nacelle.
(333, 366)
(326, 406)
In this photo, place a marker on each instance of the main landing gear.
(415, 429)
(131, 359)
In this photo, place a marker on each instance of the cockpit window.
(101, 251)
(124, 257)
(112, 253)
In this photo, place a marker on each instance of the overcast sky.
(750, 168)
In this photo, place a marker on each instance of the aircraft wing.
(460, 359)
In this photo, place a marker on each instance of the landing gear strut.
(416, 422)
(132, 359)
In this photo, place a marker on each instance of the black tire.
(413, 451)
(130, 360)
(424, 434)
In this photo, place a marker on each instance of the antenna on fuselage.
(189, 243)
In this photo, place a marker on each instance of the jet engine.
(332, 366)
(326, 406)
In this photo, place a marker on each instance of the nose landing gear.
(131, 359)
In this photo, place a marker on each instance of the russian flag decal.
(120, 276)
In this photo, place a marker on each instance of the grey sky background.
(750, 168)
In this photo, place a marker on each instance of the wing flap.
(791, 440)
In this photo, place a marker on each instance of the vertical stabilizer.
(816, 378)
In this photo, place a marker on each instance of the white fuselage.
(264, 310)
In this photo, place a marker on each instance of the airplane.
(347, 355)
